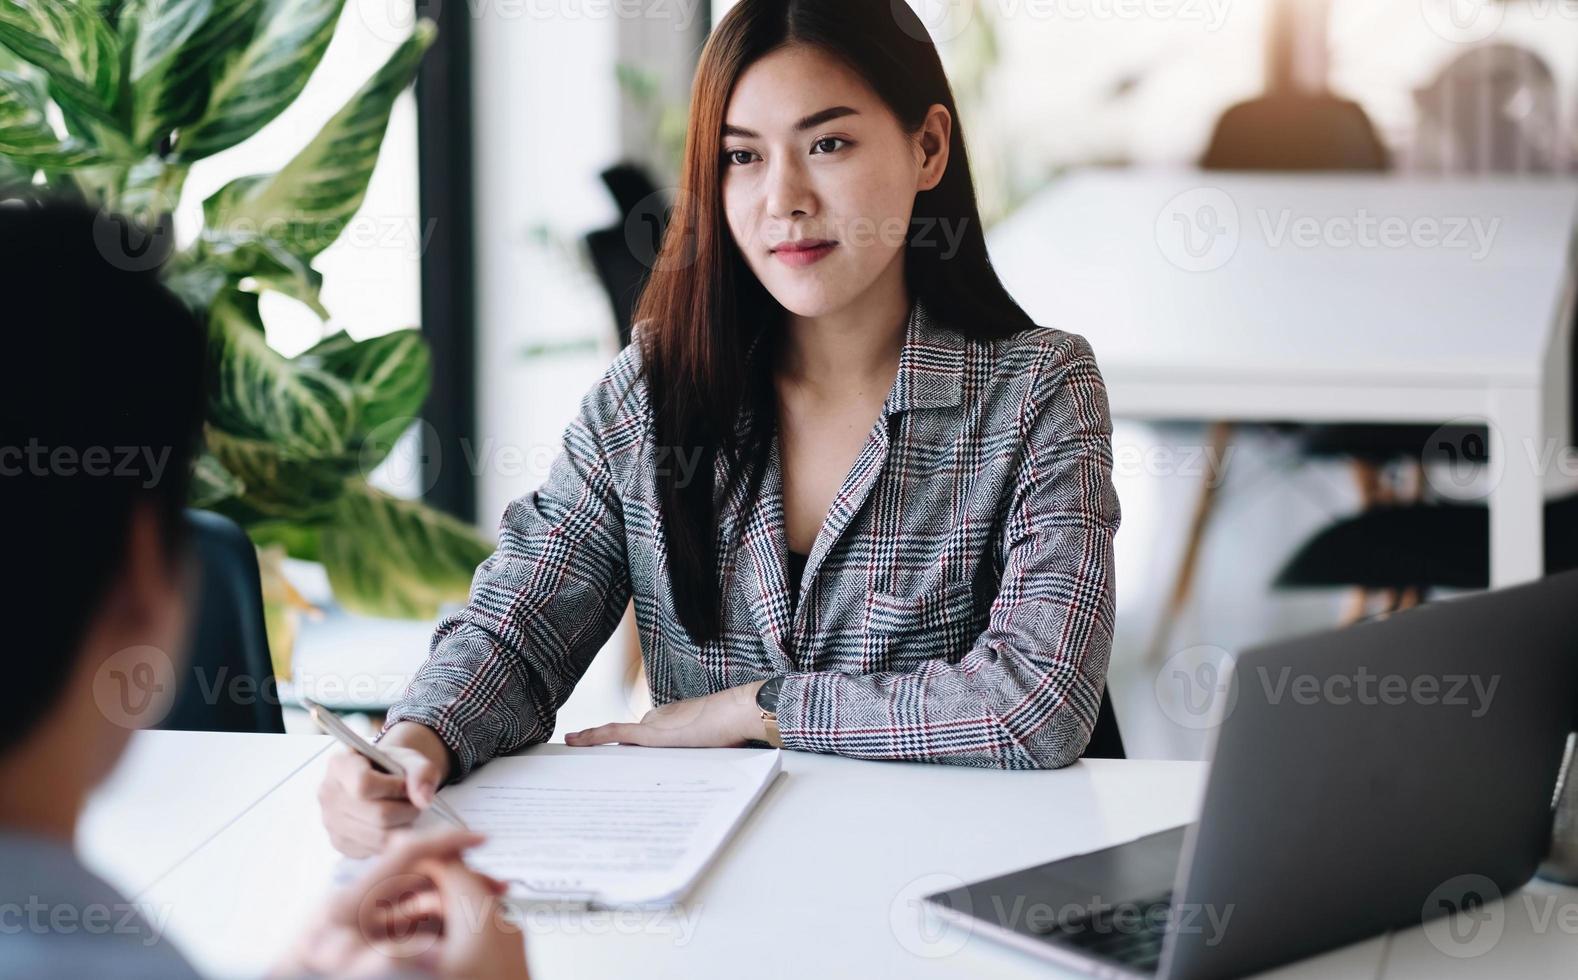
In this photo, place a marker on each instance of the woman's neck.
(844, 352)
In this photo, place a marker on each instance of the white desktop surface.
(172, 791)
(822, 879)
(1263, 322)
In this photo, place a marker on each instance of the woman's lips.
(800, 254)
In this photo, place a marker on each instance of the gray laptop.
(1361, 780)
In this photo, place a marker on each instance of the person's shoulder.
(619, 397)
(1039, 350)
(1034, 368)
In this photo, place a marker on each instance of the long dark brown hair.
(702, 305)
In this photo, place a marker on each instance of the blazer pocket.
(895, 615)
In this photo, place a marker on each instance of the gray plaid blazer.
(956, 607)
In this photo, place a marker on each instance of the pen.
(332, 725)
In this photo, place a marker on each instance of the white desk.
(1322, 298)
(821, 881)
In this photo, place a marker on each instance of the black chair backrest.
(622, 254)
(1106, 742)
(229, 684)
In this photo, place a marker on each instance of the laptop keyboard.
(1131, 933)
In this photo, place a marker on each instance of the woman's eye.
(733, 157)
(825, 140)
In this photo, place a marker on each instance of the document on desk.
(608, 826)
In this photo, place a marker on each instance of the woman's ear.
(932, 143)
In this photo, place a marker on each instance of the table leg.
(1517, 499)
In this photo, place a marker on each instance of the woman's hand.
(418, 907)
(725, 719)
(362, 806)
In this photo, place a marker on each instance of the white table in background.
(822, 880)
(1237, 296)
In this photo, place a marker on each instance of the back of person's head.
(101, 409)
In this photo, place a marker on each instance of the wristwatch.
(767, 701)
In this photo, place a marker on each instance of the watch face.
(767, 694)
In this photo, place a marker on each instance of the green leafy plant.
(113, 101)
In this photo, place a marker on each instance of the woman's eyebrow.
(809, 122)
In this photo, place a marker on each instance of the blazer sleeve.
(1025, 696)
(542, 604)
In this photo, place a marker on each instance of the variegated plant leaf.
(198, 66)
(27, 139)
(391, 374)
(277, 482)
(267, 76)
(259, 394)
(392, 557)
(75, 48)
(308, 204)
(158, 30)
(195, 280)
(212, 483)
(262, 264)
(14, 178)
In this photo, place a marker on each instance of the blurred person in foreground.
(101, 412)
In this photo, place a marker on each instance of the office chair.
(621, 253)
(1420, 546)
(229, 685)
(1106, 741)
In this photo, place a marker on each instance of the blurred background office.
(532, 162)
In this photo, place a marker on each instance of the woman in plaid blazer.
(851, 488)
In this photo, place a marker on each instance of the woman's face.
(810, 154)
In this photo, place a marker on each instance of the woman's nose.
(789, 193)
